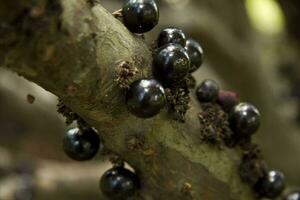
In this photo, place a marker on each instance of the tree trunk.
(73, 49)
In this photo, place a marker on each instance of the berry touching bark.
(244, 119)
(119, 183)
(140, 16)
(195, 53)
(171, 63)
(81, 144)
(145, 98)
(227, 99)
(207, 91)
(171, 35)
(272, 185)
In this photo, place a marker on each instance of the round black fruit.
(145, 98)
(271, 185)
(207, 91)
(171, 63)
(119, 183)
(171, 35)
(195, 53)
(244, 119)
(140, 16)
(81, 144)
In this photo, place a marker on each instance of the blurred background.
(251, 46)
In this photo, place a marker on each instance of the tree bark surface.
(72, 48)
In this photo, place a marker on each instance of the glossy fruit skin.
(170, 63)
(207, 91)
(140, 16)
(119, 183)
(244, 119)
(145, 98)
(171, 35)
(295, 195)
(272, 185)
(81, 144)
(195, 53)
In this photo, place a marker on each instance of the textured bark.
(234, 51)
(72, 48)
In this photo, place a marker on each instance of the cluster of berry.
(174, 58)
(82, 144)
(244, 120)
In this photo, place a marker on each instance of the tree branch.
(236, 57)
(73, 51)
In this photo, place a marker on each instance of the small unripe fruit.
(140, 16)
(171, 35)
(271, 186)
(171, 63)
(195, 53)
(81, 144)
(207, 91)
(244, 119)
(119, 183)
(227, 99)
(145, 98)
(295, 195)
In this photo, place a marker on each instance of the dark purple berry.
(119, 183)
(295, 195)
(81, 144)
(171, 35)
(244, 119)
(171, 63)
(228, 99)
(195, 52)
(145, 98)
(140, 16)
(271, 185)
(207, 91)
